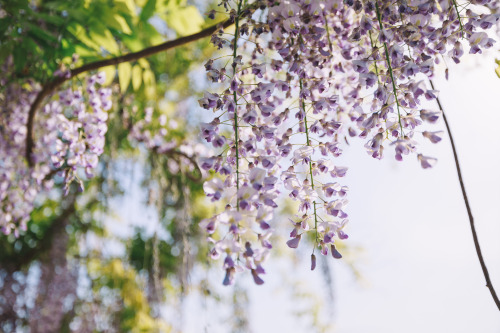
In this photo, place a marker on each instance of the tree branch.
(469, 211)
(52, 85)
(196, 168)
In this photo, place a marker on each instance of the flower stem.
(458, 15)
(388, 60)
(236, 136)
(374, 60)
(310, 162)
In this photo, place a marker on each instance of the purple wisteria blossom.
(307, 78)
(338, 69)
(72, 127)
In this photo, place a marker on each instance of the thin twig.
(389, 67)
(235, 97)
(469, 211)
(52, 85)
(458, 15)
(310, 165)
(196, 169)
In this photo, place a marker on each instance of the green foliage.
(183, 19)
(41, 37)
(140, 252)
(28, 246)
(135, 315)
(31, 244)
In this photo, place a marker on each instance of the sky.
(419, 269)
(410, 240)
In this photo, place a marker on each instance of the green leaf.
(5, 24)
(41, 34)
(133, 43)
(83, 51)
(5, 51)
(149, 82)
(19, 58)
(79, 32)
(154, 36)
(185, 21)
(144, 63)
(136, 77)
(148, 10)
(124, 75)
(30, 46)
(125, 6)
(78, 15)
(103, 37)
(56, 20)
(110, 74)
(497, 70)
(149, 77)
(119, 23)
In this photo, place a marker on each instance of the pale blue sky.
(419, 268)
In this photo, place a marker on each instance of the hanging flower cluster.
(71, 137)
(300, 78)
(303, 77)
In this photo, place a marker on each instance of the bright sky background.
(419, 270)
(419, 267)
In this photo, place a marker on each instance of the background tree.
(121, 293)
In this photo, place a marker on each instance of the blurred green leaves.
(140, 252)
(185, 20)
(43, 35)
(40, 37)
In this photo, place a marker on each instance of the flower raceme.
(307, 75)
(72, 131)
(294, 82)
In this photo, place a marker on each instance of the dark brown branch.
(469, 211)
(51, 86)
